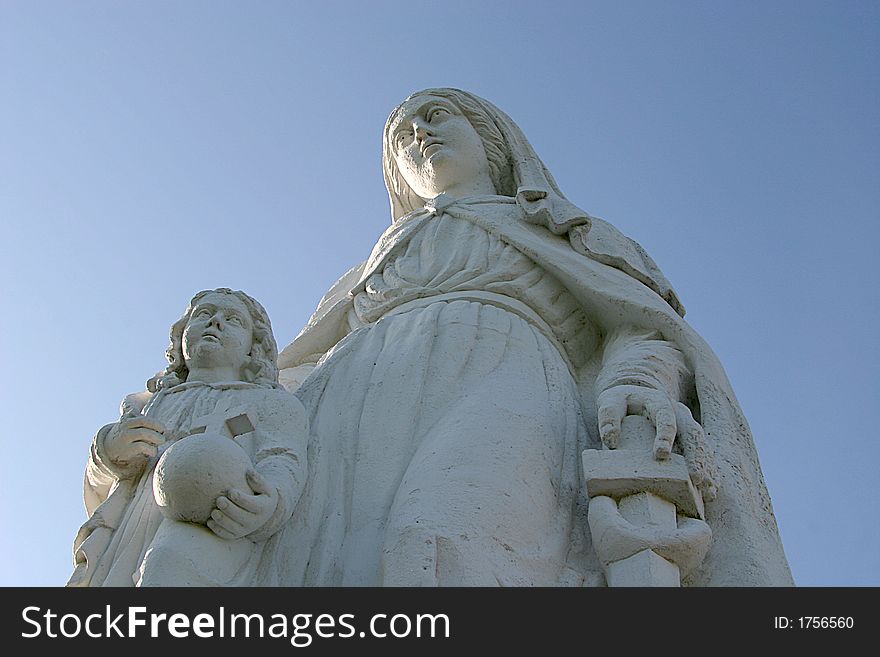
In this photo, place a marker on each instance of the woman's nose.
(421, 128)
(216, 320)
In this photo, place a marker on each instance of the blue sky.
(149, 150)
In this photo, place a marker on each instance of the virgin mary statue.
(453, 379)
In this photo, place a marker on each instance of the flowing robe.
(456, 390)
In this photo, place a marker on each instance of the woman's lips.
(430, 148)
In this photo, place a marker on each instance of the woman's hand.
(619, 401)
(670, 418)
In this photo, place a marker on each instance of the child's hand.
(239, 513)
(132, 443)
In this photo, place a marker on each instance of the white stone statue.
(192, 484)
(453, 380)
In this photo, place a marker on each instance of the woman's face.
(435, 147)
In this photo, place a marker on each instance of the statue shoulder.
(339, 290)
(326, 325)
(602, 242)
(134, 403)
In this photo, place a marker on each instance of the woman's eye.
(437, 112)
(402, 139)
(235, 320)
(203, 313)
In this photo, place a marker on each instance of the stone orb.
(194, 472)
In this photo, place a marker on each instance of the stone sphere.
(194, 472)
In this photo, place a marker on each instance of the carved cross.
(225, 420)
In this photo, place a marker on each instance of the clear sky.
(149, 150)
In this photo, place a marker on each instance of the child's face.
(219, 333)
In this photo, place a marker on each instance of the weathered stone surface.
(203, 468)
(645, 568)
(451, 396)
(454, 378)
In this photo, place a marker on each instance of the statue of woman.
(453, 380)
(192, 484)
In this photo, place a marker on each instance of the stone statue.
(192, 484)
(495, 334)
